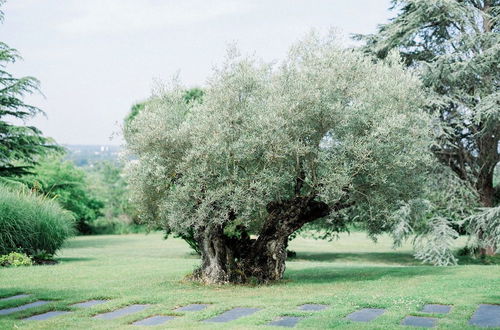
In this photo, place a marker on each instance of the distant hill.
(88, 155)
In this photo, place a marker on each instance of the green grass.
(348, 274)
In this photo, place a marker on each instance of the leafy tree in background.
(190, 96)
(456, 45)
(134, 111)
(19, 145)
(271, 149)
(109, 184)
(64, 182)
(194, 94)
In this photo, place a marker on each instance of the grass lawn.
(347, 275)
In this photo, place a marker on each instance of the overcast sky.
(95, 58)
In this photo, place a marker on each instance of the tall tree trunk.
(486, 195)
(487, 160)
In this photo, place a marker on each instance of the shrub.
(68, 185)
(116, 226)
(15, 259)
(32, 224)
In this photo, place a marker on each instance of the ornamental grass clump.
(32, 224)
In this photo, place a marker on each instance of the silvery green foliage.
(456, 44)
(326, 122)
(485, 228)
(409, 219)
(433, 236)
(436, 245)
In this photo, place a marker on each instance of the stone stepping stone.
(286, 321)
(192, 308)
(365, 314)
(486, 316)
(89, 303)
(436, 309)
(233, 314)
(45, 316)
(419, 321)
(19, 296)
(23, 307)
(312, 307)
(154, 320)
(121, 312)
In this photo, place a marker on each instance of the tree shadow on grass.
(359, 274)
(362, 257)
(90, 243)
(70, 259)
(471, 260)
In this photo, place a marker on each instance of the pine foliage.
(19, 144)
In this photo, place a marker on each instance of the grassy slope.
(348, 274)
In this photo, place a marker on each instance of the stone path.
(192, 308)
(45, 316)
(312, 307)
(8, 311)
(420, 321)
(486, 316)
(286, 321)
(121, 312)
(19, 296)
(365, 314)
(89, 303)
(436, 309)
(233, 314)
(154, 320)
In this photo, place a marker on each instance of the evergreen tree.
(456, 46)
(19, 144)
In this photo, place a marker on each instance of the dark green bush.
(32, 224)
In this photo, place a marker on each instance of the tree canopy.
(19, 144)
(456, 47)
(272, 148)
(68, 185)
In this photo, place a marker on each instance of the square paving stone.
(45, 316)
(286, 321)
(154, 320)
(436, 309)
(233, 314)
(486, 316)
(89, 303)
(419, 321)
(192, 308)
(19, 296)
(365, 314)
(121, 312)
(22, 307)
(312, 307)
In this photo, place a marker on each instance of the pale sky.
(95, 58)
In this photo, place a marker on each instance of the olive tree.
(325, 133)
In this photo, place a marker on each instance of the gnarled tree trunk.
(262, 260)
(266, 261)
